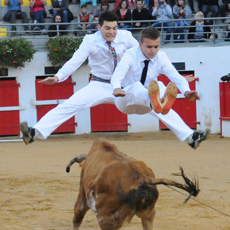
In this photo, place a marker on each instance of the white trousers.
(96, 93)
(137, 101)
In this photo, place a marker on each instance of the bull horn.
(78, 159)
(190, 186)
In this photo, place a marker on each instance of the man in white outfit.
(133, 96)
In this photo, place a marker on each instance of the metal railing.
(216, 25)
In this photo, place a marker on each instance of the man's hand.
(49, 80)
(118, 92)
(192, 95)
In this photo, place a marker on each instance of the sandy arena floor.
(37, 194)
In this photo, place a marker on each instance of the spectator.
(94, 27)
(61, 7)
(84, 16)
(14, 12)
(94, 4)
(104, 7)
(124, 14)
(163, 11)
(131, 5)
(38, 13)
(199, 30)
(57, 29)
(181, 11)
(225, 9)
(227, 33)
(209, 6)
(140, 13)
(117, 3)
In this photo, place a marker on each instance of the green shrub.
(62, 48)
(15, 52)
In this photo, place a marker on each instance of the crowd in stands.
(132, 15)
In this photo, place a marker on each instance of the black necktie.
(144, 72)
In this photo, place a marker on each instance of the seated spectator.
(181, 11)
(118, 2)
(163, 11)
(94, 4)
(104, 7)
(94, 27)
(209, 6)
(14, 12)
(139, 14)
(62, 8)
(225, 9)
(199, 30)
(38, 13)
(57, 30)
(124, 14)
(84, 16)
(227, 33)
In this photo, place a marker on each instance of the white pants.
(93, 94)
(136, 101)
(96, 93)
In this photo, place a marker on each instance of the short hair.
(149, 32)
(199, 14)
(107, 16)
(83, 6)
(125, 2)
(105, 4)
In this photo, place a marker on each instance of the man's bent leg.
(93, 94)
(136, 100)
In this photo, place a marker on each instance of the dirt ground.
(37, 194)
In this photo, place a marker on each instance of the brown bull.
(116, 187)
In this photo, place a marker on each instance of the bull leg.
(147, 222)
(80, 210)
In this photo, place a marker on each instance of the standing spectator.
(209, 6)
(61, 7)
(124, 14)
(140, 13)
(57, 29)
(84, 16)
(199, 30)
(104, 7)
(14, 12)
(181, 11)
(224, 9)
(131, 5)
(163, 11)
(38, 13)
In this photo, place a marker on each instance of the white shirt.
(100, 59)
(131, 65)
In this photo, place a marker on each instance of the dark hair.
(149, 32)
(83, 6)
(107, 16)
(125, 2)
(105, 4)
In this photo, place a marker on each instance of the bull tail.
(190, 186)
(78, 159)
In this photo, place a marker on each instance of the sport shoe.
(27, 132)
(198, 137)
(169, 97)
(154, 96)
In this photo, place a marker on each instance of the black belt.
(95, 78)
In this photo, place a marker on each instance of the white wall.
(208, 63)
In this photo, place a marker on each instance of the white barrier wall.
(208, 63)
